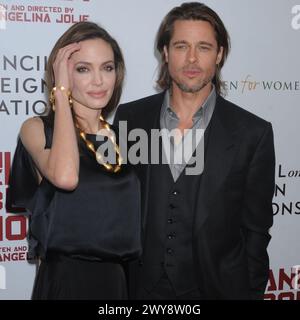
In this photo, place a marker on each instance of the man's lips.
(191, 72)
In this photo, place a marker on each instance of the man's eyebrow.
(200, 42)
(180, 42)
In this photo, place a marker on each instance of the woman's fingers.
(60, 65)
(66, 52)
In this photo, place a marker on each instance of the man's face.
(192, 55)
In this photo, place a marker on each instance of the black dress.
(84, 237)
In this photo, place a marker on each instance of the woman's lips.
(97, 94)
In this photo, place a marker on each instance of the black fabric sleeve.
(258, 213)
(23, 181)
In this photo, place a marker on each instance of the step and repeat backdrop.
(262, 75)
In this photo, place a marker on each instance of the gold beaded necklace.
(108, 166)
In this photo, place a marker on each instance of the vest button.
(170, 236)
(172, 206)
(175, 192)
(170, 221)
(170, 251)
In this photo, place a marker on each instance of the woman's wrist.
(58, 93)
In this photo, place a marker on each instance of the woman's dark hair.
(82, 31)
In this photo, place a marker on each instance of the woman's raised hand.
(61, 65)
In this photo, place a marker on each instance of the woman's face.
(92, 74)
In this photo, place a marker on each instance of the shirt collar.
(206, 108)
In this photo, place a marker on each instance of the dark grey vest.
(168, 236)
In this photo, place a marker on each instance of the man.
(205, 236)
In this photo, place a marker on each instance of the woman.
(84, 212)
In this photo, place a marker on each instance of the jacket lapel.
(148, 120)
(219, 154)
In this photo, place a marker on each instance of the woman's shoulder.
(31, 124)
(32, 132)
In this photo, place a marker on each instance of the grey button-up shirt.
(170, 121)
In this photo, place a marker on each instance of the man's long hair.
(191, 11)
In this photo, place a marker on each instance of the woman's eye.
(109, 68)
(82, 69)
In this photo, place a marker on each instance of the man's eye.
(181, 47)
(204, 48)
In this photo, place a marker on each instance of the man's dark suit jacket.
(234, 208)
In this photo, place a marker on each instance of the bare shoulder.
(32, 133)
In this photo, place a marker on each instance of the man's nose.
(192, 55)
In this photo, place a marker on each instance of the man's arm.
(258, 213)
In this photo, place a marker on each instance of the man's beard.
(192, 89)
